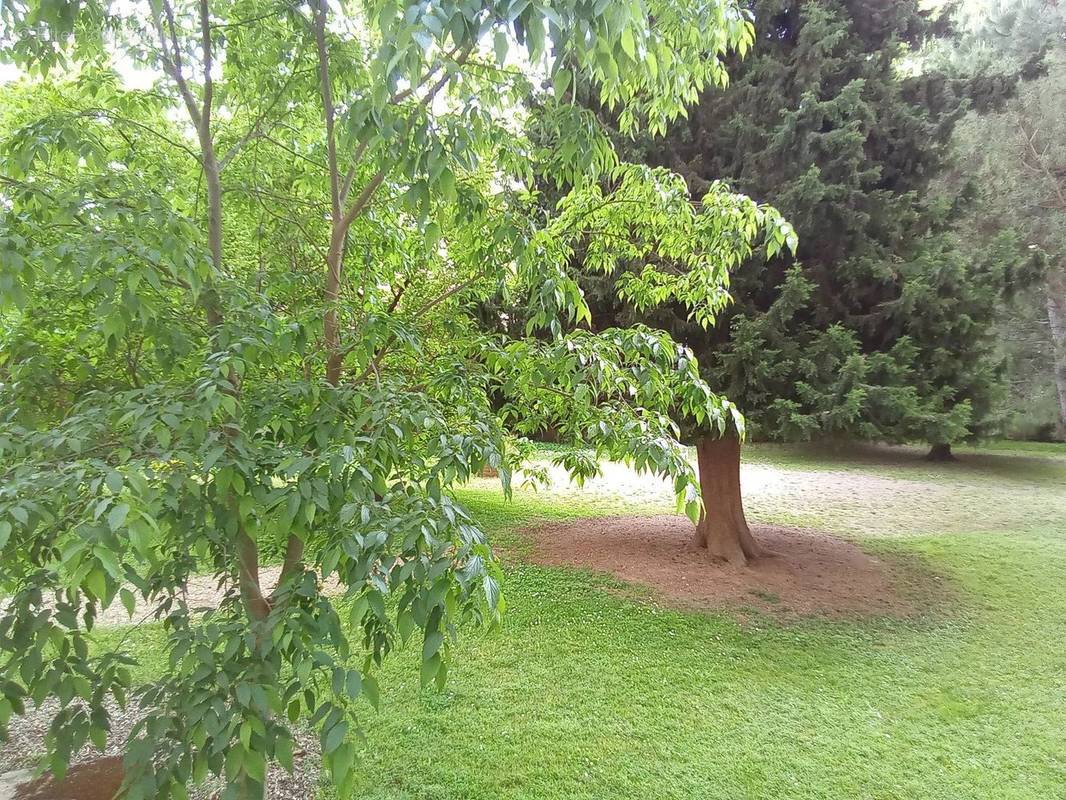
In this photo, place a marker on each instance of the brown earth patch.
(99, 779)
(809, 573)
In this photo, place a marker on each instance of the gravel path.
(27, 733)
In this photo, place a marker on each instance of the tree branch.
(361, 202)
(328, 111)
(172, 62)
(254, 130)
(294, 553)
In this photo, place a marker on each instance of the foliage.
(878, 327)
(237, 321)
(1015, 154)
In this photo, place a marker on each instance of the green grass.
(583, 693)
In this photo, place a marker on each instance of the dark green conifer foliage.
(878, 328)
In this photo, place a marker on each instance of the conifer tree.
(877, 328)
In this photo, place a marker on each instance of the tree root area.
(807, 573)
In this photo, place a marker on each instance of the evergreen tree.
(1015, 153)
(877, 328)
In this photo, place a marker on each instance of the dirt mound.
(809, 574)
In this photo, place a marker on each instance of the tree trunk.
(331, 325)
(722, 528)
(1056, 317)
(940, 452)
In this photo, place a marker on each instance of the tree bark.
(722, 528)
(331, 326)
(940, 452)
(1056, 317)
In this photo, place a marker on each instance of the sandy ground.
(806, 572)
(916, 500)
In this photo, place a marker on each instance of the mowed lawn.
(582, 694)
(589, 692)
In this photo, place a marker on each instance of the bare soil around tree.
(806, 572)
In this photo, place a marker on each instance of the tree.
(238, 320)
(877, 328)
(1016, 150)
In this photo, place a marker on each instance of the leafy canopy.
(238, 327)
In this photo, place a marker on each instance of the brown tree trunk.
(1056, 317)
(722, 528)
(940, 452)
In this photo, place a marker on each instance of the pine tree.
(877, 328)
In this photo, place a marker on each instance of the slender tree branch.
(1040, 165)
(360, 203)
(294, 553)
(297, 224)
(208, 58)
(400, 96)
(101, 112)
(328, 111)
(357, 156)
(256, 604)
(172, 62)
(375, 362)
(254, 130)
(364, 198)
(290, 151)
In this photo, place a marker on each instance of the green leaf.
(117, 516)
(334, 737)
(432, 644)
(430, 668)
(405, 624)
(370, 689)
(129, 600)
(110, 562)
(500, 45)
(354, 684)
(254, 765)
(492, 592)
(561, 81)
(96, 582)
(283, 753)
(433, 234)
(114, 481)
(446, 181)
(359, 609)
(98, 736)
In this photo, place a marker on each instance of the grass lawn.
(583, 693)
